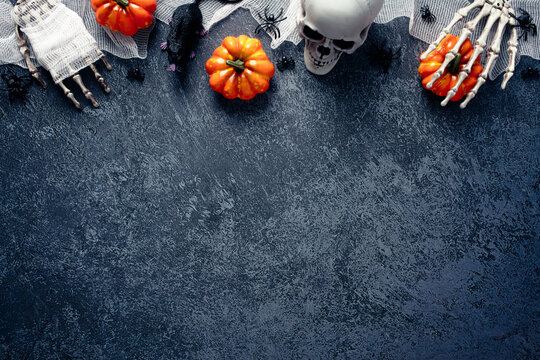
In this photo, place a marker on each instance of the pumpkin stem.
(238, 65)
(453, 67)
(122, 3)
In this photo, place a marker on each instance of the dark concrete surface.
(339, 217)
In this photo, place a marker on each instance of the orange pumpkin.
(126, 16)
(240, 68)
(450, 76)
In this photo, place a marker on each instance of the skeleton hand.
(60, 43)
(497, 10)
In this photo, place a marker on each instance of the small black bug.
(427, 15)
(16, 86)
(525, 24)
(136, 74)
(530, 73)
(383, 56)
(285, 63)
(269, 23)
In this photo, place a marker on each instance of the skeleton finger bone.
(480, 44)
(512, 50)
(493, 55)
(465, 33)
(100, 79)
(69, 95)
(87, 93)
(107, 65)
(25, 51)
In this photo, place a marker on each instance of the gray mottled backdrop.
(339, 217)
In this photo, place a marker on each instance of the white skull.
(332, 27)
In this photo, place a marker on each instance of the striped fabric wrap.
(216, 10)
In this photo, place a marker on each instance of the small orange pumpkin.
(450, 76)
(240, 68)
(126, 16)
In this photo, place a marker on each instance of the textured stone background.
(338, 217)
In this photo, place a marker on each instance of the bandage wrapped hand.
(60, 43)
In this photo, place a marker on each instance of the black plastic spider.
(17, 86)
(383, 56)
(525, 24)
(269, 23)
(427, 15)
(136, 74)
(530, 73)
(285, 63)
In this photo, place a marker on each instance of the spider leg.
(465, 33)
(268, 28)
(273, 31)
(276, 29)
(480, 44)
(27, 78)
(278, 21)
(266, 13)
(259, 28)
(280, 14)
(386, 66)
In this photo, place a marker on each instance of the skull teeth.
(320, 63)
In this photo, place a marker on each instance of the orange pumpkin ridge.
(126, 16)
(449, 78)
(240, 68)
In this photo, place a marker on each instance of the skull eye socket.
(344, 44)
(312, 34)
